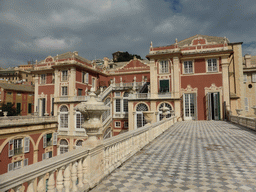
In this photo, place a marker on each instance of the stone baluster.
(111, 155)
(59, 179)
(41, 184)
(80, 173)
(116, 153)
(74, 176)
(67, 178)
(31, 186)
(51, 182)
(18, 188)
(85, 172)
(106, 158)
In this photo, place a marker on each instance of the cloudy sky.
(32, 29)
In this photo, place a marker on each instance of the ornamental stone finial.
(176, 41)
(151, 44)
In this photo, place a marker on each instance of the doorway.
(213, 106)
(189, 106)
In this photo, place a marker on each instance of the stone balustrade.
(83, 168)
(244, 121)
(19, 120)
(71, 98)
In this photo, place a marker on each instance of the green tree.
(10, 108)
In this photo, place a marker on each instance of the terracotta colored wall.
(201, 81)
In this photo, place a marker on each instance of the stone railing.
(83, 168)
(139, 96)
(18, 120)
(71, 98)
(244, 121)
(105, 93)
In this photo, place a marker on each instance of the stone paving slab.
(191, 156)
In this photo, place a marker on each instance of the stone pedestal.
(239, 112)
(92, 111)
(148, 116)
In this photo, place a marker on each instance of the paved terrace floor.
(191, 156)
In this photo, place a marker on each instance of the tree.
(10, 108)
(125, 56)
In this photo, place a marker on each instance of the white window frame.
(126, 124)
(64, 75)
(43, 79)
(212, 67)
(116, 124)
(125, 101)
(188, 70)
(253, 77)
(63, 148)
(65, 115)
(64, 90)
(163, 66)
(81, 119)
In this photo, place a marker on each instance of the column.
(176, 72)
(72, 82)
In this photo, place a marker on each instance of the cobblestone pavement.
(191, 156)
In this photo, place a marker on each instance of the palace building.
(196, 79)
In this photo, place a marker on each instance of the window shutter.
(54, 139)
(44, 141)
(11, 151)
(26, 144)
(10, 167)
(43, 156)
(246, 104)
(25, 163)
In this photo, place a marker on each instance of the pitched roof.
(10, 86)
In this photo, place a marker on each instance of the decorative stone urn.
(165, 110)
(148, 116)
(254, 108)
(5, 113)
(239, 112)
(92, 111)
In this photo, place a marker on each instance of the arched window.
(63, 146)
(79, 143)
(107, 113)
(107, 133)
(160, 114)
(63, 117)
(139, 115)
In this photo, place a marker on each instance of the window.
(117, 94)
(107, 113)
(126, 125)
(164, 66)
(43, 79)
(79, 120)
(188, 67)
(9, 93)
(254, 78)
(245, 78)
(64, 90)
(87, 78)
(18, 108)
(30, 108)
(79, 92)
(164, 86)
(49, 139)
(93, 82)
(117, 124)
(118, 105)
(212, 65)
(18, 149)
(17, 165)
(47, 155)
(140, 117)
(125, 102)
(65, 75)
(63, 146)
(63, 117)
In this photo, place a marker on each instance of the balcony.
(141, 96)
(20, 120)
(71, 99)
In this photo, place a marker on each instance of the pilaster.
(176, 72)
(225, 81)
(153, 79)
(36, 93)
(72, 82)
(130, 116)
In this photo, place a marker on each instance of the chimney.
(75, 53)
(247, 59)
(105, 62)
